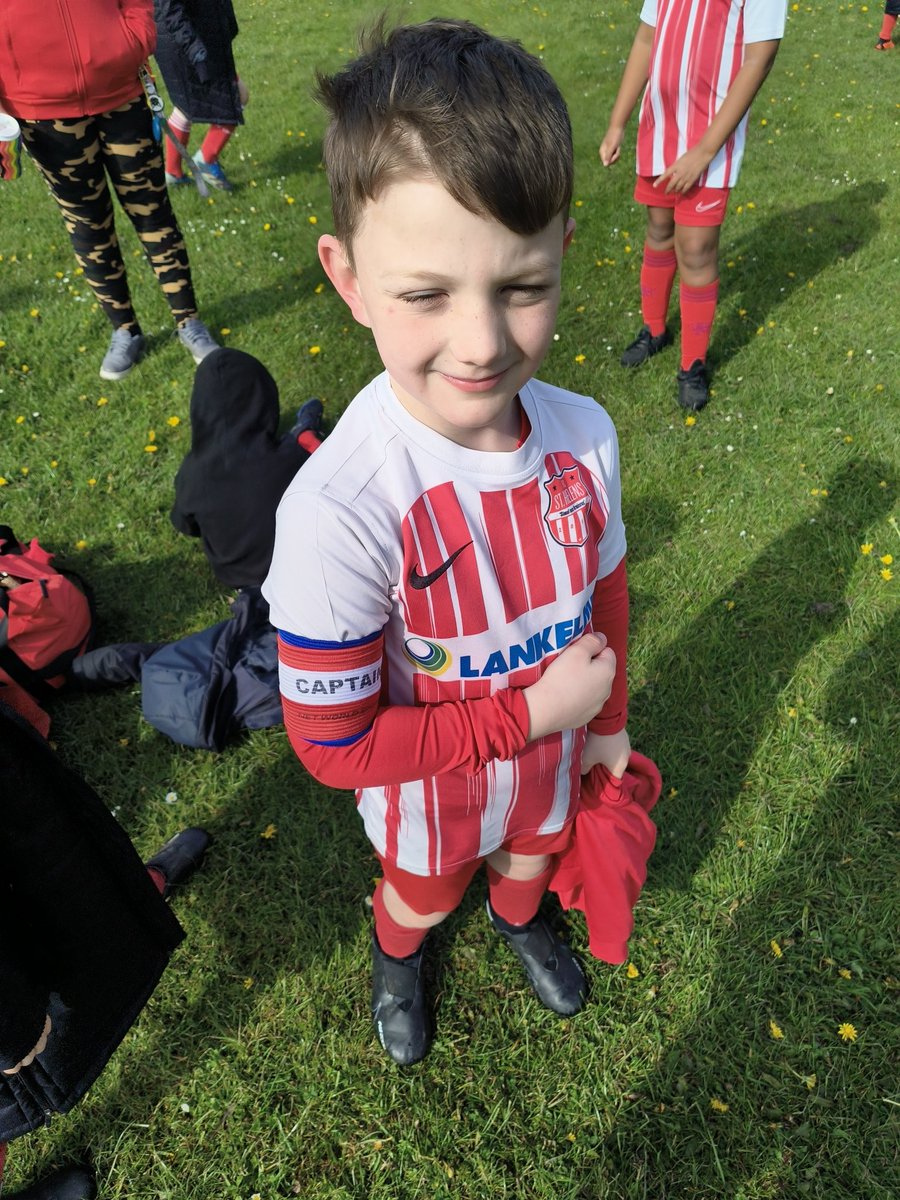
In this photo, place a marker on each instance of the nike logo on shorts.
(420, 582)
(700, 207)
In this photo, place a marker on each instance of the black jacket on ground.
(193, 49)
(230, 482)
(84, 934)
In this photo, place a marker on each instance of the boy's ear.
(342, 275)
(568, 233)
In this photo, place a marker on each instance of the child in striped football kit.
(699, 65)
(448, 579)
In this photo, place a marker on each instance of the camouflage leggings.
(75, 157)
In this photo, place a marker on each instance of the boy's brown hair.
(447, 100)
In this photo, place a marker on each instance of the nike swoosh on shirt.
(420, 582)
(701, 207)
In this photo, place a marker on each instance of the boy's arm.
(382, 746)
(634, 80)
(607, 739)
(686, 170)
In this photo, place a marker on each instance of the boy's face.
(462, 309)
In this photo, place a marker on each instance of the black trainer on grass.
(398, 1005)
(644, 346)
(553, 971)
(693, 386)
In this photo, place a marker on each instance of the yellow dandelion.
(847, 1032)
(315, 350)
(248, 982)
(151, 435)
(289, 199)
(887, 559)
(225, 331)
(776, 1031)
(20, 420)
(25, 368)
(579, 358)
(92, 483)
(741, 843)
(319, 289)
(24, 470)
(3, 481)
(718, 1105)
(631, 971)
(866, 548)
(792, 712)
(53, 462)
(570, 1137)
(729, 605)
(151, 449)
(102, 401)
(266, 227)
(673, 792)
(35, 312)
(886, 574)
(845, 974)
(313, 220)
(2, 344)
(173, 421)
(378, 1144)
(81, 544)
(690, 420)
(269, 832)
(775, 948)
(811, 1080)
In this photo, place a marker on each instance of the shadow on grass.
(806, 1113)
(701, 710)
(803, 241)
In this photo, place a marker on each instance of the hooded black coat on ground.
(231, 481)
(84, 934)
(193, 50)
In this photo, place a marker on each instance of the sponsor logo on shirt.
(548, 640)
(428, 656)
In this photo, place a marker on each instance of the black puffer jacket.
(84, 934)
(193, 50)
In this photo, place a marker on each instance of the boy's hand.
(611, 146)
(613, 750)
(573, 689)
(684, 172)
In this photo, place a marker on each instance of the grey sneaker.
(124, 351)
(213, 173)
(199, 341)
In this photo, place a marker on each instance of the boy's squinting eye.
(528, 291)
(422, 299)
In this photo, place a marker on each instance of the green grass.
(763, 671)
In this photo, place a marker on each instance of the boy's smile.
(462, 309)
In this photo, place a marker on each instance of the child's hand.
(684, 172)
(611, 146)
(573, 689)
(612, 749)
(32, 1054)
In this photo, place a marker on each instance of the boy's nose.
(479, 336)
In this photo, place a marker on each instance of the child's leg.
(885, 37)
(217, 137)
(658, 268)
(516, 882)
(697, 250)
(181, 128)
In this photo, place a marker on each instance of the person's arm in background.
(634, 80)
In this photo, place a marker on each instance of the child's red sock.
(657, 276)
(698, 310)
(215, 141)
(396, 940)
(887, 27)
(516, 900)
(159, 880)
(181, 128)
(309, 440)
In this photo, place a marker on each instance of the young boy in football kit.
(448, 579)
(699, 67)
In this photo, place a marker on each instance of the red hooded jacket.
(72, 58)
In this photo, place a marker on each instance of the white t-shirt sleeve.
(764, 20)
(649, 12)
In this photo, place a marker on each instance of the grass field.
(763, 670)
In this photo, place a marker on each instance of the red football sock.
(159, 880)
(657, 276)
(309, 440)
(399, 941)
(698, 310)
(181, 128)
(887, 27)
(516, 900)
(214, 142)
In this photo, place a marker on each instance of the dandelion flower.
(845, 974)
(579, 358)
(847, 1032)
(313, 220)
(631, 971)
(887, 559)
(775, 948)
(690, 420)
(269, 832)
(776, 1031)
(173, 421)
(866, 548)
(811, 1080)
(315, 350)
(81, 544)
(718, 1105)
(886, 574)
(248, 983)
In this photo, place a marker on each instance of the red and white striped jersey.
(409, 570)
(698, 48)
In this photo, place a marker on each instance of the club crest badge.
(568, 511)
